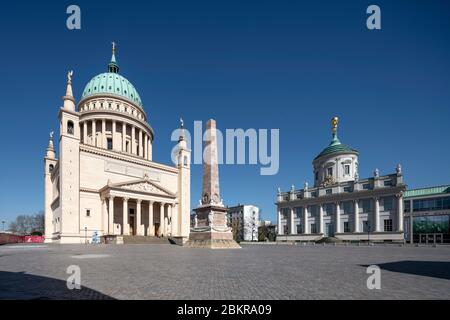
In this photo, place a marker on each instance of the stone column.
(104, 143)
(377, 214)
(94, 133)
(104, 217)
(161, 219)
(85, 136)
(113, 134)
(151, 231)
(140, 144)
(356, 209)
(133, 137)
(411, 228)
(279, 221)
(111, 215)
(124, 137)
(291, 221)
(320, 218)
(305, 220)
(145, 146)
(400, 213)
(170, 218)
(126, 226)
(138, 217)
(149, 149)
(338, 218)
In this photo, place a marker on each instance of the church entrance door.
(132, 230)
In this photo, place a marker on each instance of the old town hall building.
(341, 205)
(104, 181)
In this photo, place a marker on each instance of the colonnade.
(138, 142)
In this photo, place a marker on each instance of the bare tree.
(28, 224)
(251, 224)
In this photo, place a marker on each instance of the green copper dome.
(112, 83)
(335, 145)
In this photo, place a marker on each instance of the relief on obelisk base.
(211, 228)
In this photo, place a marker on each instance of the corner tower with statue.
(341, 206)
(104, 181)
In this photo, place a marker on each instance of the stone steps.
(145, 240)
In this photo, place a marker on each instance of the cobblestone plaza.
(254, 272)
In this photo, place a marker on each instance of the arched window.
(185, 161)
(50, 168)
(70, 127)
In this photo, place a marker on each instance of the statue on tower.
(69, 77)
(334, 124)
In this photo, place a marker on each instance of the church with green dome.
(104, 184)
(341, 206)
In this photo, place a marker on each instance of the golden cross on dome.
(114, 47)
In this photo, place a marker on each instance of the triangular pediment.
(144, 186)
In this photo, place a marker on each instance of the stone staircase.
(145, 240)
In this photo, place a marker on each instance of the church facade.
(104, 181)
(341, 205)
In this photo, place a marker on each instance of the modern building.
(104, 179)
(244, 221)
(340, 204)
(427, 215)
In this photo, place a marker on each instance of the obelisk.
(210, 229)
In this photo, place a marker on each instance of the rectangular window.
(366, 226)
(366, 205)
(348, 189)
(330, 171)
(285, 231)
(388, 183)
(346, 226)
(388, 203)
(285, 213)
(329, 209)
(298, 212)
(313, 211)
(347, 169)
(299, 229)
(407, 206)
(317, 175)
(348, 207)
(313, 228)
(110, 143)
(366, 186)
(329, 191)
(431, 204)
(388, 225)
(88, 212)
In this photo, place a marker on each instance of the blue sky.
(290, 65)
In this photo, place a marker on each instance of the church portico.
(138, 214)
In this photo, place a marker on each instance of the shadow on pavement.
(434, 269)
(22, 286)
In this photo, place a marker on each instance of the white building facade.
(244, 220)
(104, 180)
(341, 205)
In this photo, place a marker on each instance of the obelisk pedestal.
(210, 229)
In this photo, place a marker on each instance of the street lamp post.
(368, 232)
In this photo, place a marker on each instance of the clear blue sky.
(290, 65)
